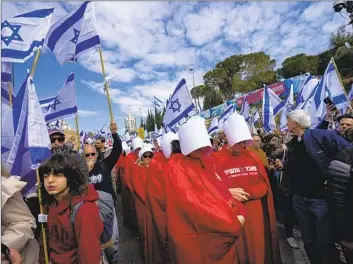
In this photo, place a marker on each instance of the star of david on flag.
(62, 105)
(74, 34)
(23, 34)
(179, 105)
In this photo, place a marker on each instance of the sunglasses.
(150, 156)
(60, 140)
(90, 154)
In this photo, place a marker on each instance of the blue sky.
(149, 46)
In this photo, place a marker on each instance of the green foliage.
(91, 134)
(240, 73)
(158, 118)
(197, 93)
(150, 121)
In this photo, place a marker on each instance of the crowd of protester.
(189, 197)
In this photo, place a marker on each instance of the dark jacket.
(341, 198)
(322, 145)
(66, 149)
(101, 175)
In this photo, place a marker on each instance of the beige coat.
(17, 222)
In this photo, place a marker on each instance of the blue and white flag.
(179, 105)
(22, 35)
(62, 105)
(74, 34)
(334, 88)
(31, 145)
(6, 82)
(157, 102)
(288, 107)
(350, 94)
(245, 110)
(213, 128)
(224, 116)
(309, 85)
(256, 117)
(11, 118)
(268, 111)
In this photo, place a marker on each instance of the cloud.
(87, 113)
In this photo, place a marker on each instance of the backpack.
(106, 207)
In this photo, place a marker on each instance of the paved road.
(129, 252)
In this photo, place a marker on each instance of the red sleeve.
(88, 229)
(261, 188)
(197, 201)
(258, 190)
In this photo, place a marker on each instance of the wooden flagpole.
(9, 87)
(78, 134)
(35, 63)
(46, 256)
(106, 86)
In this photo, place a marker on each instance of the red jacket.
(81, 245)
(202, 222)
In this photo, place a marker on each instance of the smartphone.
(328, 102)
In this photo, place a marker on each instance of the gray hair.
(301, 117)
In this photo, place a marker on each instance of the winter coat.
(17, 222)
(341, 194)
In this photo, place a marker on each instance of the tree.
(241, 73)
(295, 65)
(150, 121)
(90, 134)
(141, 123)
(158, 118)
(197, 93)
(343, 55)
(212, 98)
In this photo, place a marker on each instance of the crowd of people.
(189, 197)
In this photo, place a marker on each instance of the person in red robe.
(249, 183)
(204, 220)
(156, 225)
(129, 213)
(139, 181)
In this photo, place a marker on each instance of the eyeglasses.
(148, 156)
(90, 154)
(59, 139)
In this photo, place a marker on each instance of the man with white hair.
(309, 154)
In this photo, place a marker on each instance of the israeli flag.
(245, 110)
(224, 116)
(22, 35)
(288, 106)
(350, 94)
(309, 85)
(11, 118)
(6, 82)
(213, 126)
(31, 145)
(62, 105)
(334, 88)
(268, 115)
(158, 103)
(74, 34)
(179, 105)
(256, 116)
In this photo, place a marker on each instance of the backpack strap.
(74, 210)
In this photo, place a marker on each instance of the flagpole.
(34, 66)
(106, 87)
(339, 77)
(78, 134)
(10, 93)
(41, 209)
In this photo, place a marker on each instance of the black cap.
(344, 116)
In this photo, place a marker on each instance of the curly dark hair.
(68, 166)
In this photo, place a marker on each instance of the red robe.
(129, 213)
(139, 180)
(202, 223)
(259, 243)
(156, 220)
